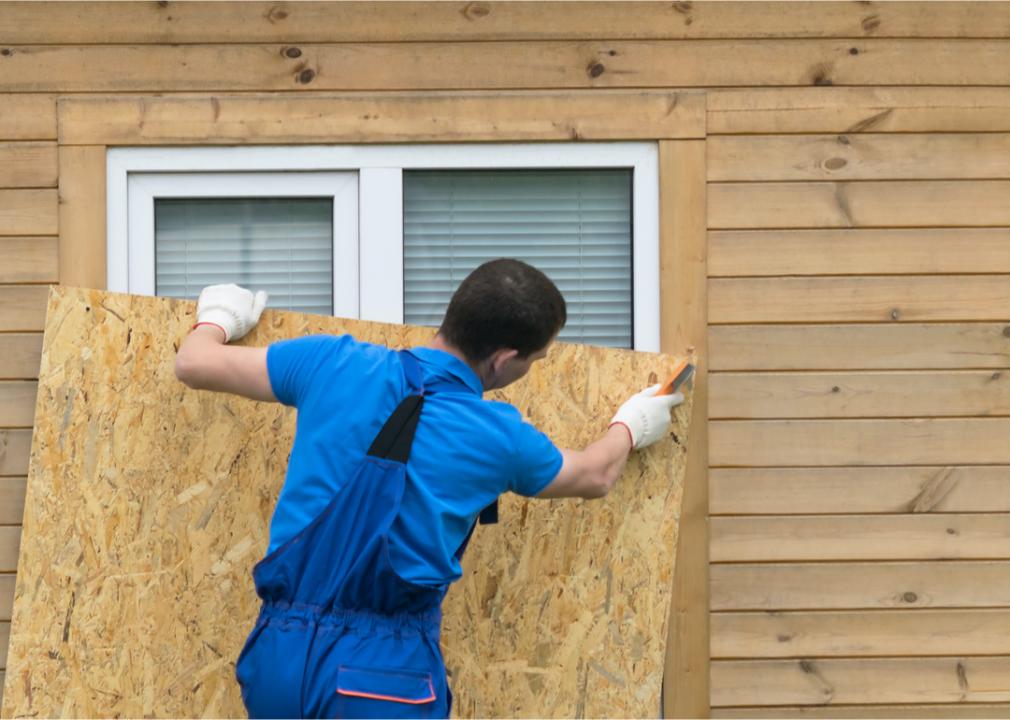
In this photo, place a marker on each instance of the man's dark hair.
(503, 304)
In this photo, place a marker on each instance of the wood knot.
(6, 52)
(842, 140)
(163, 3)
(1006, 331)
(683, 7)
(476, 10)
(996, 375)
(822, 80)
(853, 51)
(306, 76)
(951, 531)
(276, 13)
(595, 70)
(835, 163)
(870, 23)
(909, 597)
(292, 52)
(835, 389)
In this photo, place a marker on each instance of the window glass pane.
(281, 245)
(574, 225)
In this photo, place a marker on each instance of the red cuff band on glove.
(628, 429)
(223, 331)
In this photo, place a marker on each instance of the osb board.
(149, 503)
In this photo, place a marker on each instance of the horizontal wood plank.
(28, 212)
(860, 537)
(17, 403)
(948, 393)
(502, 65)
(808, 490)
(856, 347)
(27, 117)
(20, 355)
(853, 156)
(28, 164)
(954, 711)
(858, 252)
(189, 22)
(6, 595)
(385, 117)
(865, 633)
(869, 680)
(858, 109)
(790, 443)
(28, 259)
(12, 500)
(841, 585)
(882, 298)
(15, 447)
(23, 307)
(10, 544)
(859, 204)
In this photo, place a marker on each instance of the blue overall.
(340, 633)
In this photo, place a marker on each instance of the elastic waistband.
(425, 623)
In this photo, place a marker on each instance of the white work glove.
(646, 415)
(232, 308)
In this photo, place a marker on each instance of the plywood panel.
(28, 259)
(383, 117)
(501, 65)
(859, 252)
(944, 441)
(859, 299)
(67, 22)
(27, 164)
(20, 355)
(27, 117)
(28, 212)
(865, 633)
(779, 491)
(960, 710)
(863, 394)
(12, 500)
(859, 109)
(872, 680)
(861, 537)
(859, 157)
(22, 307)
(17, 403)
(855, 347)
(827, 586)
(155, 562)
(859, 204)
(15, 446)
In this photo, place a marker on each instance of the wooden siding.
(858, 209)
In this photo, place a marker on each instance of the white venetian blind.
(574, 225)
(281, 245)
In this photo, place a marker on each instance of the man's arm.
(206, 362)
(593, 472)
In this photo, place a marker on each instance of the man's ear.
(499, 358)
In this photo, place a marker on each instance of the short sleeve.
(294, 365)
(537, 462)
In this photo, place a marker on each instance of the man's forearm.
(205, 362)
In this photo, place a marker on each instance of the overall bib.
(340, 633)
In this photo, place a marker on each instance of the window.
(387, 232)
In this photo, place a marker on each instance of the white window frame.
(379, 214)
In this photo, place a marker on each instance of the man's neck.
(439, 343)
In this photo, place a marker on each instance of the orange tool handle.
(679, 376)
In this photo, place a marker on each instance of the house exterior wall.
(858, 228)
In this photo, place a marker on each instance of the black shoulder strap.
(397, 435)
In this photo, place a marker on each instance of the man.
(395, 455)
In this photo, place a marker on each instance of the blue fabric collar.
(446, 364)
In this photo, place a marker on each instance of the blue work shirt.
(467, 451)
